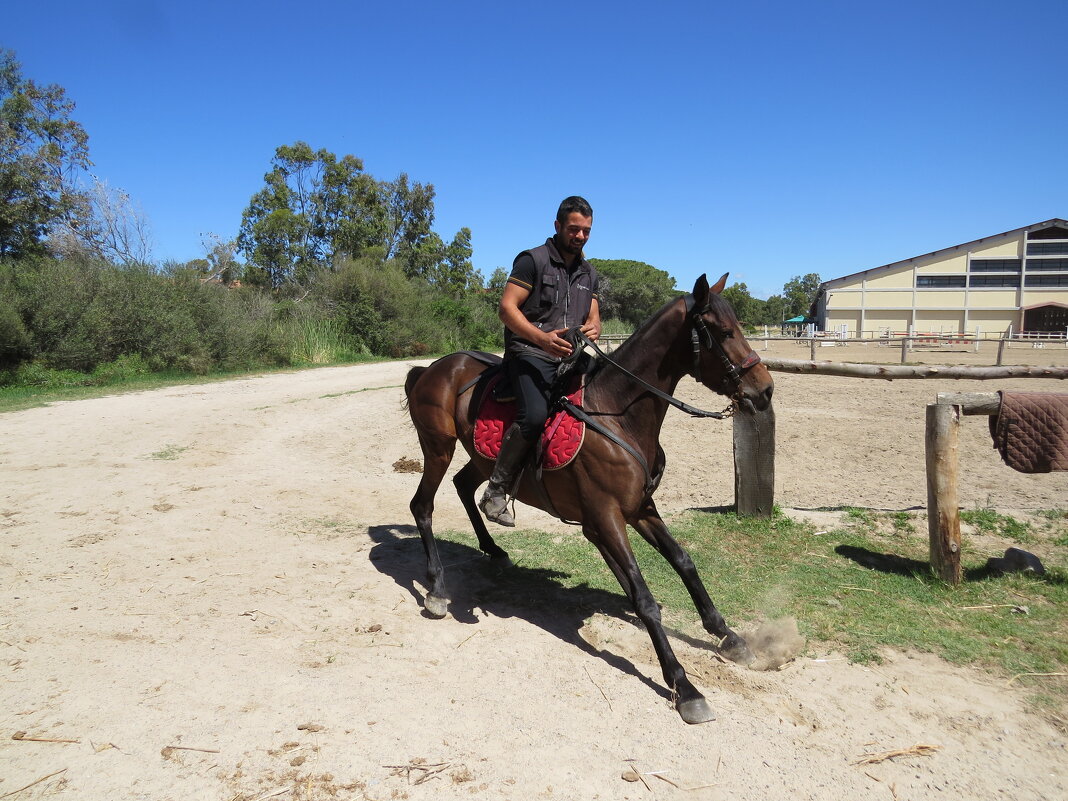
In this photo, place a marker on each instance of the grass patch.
(857, 590)
(168, 454)
(987, 521)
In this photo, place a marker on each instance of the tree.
(799, 293)
(747, 309)
(349, 216)
(774, 312)
(43, 152)
(112, 229)
(410, 213)
(632, 290)
(316, 209)
(455, 272)
(277, 226)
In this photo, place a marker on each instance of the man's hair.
(573, 203)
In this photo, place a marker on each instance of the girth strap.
(581, 414)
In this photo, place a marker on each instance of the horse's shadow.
(476, 584)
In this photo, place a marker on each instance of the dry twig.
(430, 770)
(598, 686)
(21, 735)
(916, 750)
(167, 750)
(31, 784)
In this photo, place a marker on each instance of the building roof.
(966, 246)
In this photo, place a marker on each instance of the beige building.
(1014, 281)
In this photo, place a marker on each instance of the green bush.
(78, 321)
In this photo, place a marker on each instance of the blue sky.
(765, 139)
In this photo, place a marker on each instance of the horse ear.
(700, 290)
(722, 282)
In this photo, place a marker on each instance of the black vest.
(560, 297)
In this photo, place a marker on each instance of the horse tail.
(409, 382)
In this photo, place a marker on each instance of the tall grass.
(319, 342)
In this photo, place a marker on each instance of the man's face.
(573, 234)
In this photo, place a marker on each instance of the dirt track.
(215, 590)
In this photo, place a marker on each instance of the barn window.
(994, 266)
(1047, 280)
(1046, 264)
(1047, 248)
(939, 281)
(1053, 232)
(994, 280)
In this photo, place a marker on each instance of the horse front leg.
(653, 529)
(436, 458)
(467, 482)
(610, 537)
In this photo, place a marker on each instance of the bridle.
(699, 333)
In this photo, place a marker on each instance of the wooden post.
(812, 346)
(754, 462)
(943, 509)
(904, 349)
(1001, 350)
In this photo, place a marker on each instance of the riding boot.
(494, 503)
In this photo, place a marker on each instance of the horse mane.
(635, 340)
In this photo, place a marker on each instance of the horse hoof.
(737, 650)
(502, 561)
(696, 710)
(436, 606)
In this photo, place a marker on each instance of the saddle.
(1030, 431)
(560, 441)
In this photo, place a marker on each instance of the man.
(552, 288)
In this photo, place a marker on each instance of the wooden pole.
(892, 371)
(904, 349)
(1001, 350)
(943, 509)
(754, 462)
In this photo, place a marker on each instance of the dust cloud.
(775, 642)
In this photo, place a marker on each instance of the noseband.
(699, 333)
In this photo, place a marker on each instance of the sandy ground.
(214, 593)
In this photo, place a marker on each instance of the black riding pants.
(532, 380)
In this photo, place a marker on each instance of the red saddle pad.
(560, 441)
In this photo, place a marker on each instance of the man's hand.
(592, 329)
(555, 345)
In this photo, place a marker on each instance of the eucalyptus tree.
(43, 154)
(315, 209)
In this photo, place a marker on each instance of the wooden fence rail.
(907, 342)
(754, 444)
(890, 371)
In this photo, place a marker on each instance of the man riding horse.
(551, 288)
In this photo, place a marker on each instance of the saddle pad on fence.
(560, 441)
(1030, 431)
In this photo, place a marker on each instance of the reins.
(693, 411)
(698, 331)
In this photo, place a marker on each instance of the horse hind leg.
(467, 482)
(653, 529)
(436, 459)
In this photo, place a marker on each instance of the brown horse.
(611, 481)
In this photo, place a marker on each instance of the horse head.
(723, 359)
